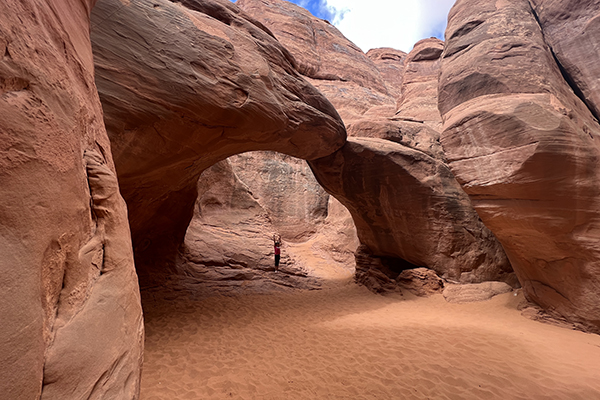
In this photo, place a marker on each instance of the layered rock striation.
(525, 147)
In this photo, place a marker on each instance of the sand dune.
(347, 343)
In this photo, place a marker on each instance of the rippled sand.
(347, 343)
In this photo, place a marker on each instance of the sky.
(383, 23)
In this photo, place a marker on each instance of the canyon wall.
(183, 86)
(71, 315)
(521, 138)
(512, 143)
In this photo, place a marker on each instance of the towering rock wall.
(525, 147)
(390, 63)
(70, 310)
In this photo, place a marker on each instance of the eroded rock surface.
(368, 110)
(183, 86)
(243, 201)
(390, 63)
(526, 150)
(333, 64)
(572, 29)
(418, 101)
(70, 310)
(408, 205)
(421, 282)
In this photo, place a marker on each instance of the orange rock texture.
(525, 147)
(70, 307)
(461, 157)
(404, 200)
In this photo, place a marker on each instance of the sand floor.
(347, 343)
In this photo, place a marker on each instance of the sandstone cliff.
(70, 308)
(183, 86)
(524, 145)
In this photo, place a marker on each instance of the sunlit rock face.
(333, 64)
(524, 146)
(390, 204)
(183, 86)
(70, 309)
(245, 200)
(418, 101)
(390, 63)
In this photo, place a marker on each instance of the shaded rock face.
(407, 205)
(184, 85)
(242, 202)
(572, 29)
(66, 260)
(526, 149)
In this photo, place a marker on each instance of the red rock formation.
(184, 85)
(572, 29)
(242, 202)
(367, 110)
(71, 316)
(333, 64)
(407, 205)
(418, 102)
(525, 149)
(390, 63)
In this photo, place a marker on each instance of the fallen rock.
(421, 282)
(474, 292)
(526, 149)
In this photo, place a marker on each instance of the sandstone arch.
(168, 124)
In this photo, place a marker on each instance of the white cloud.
(389, 23)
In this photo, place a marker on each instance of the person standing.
(277, 243)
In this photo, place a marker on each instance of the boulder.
(183, 86)
(407, 205)
(474, 292)
(70, 307)
(526, 150)
(421, 282)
